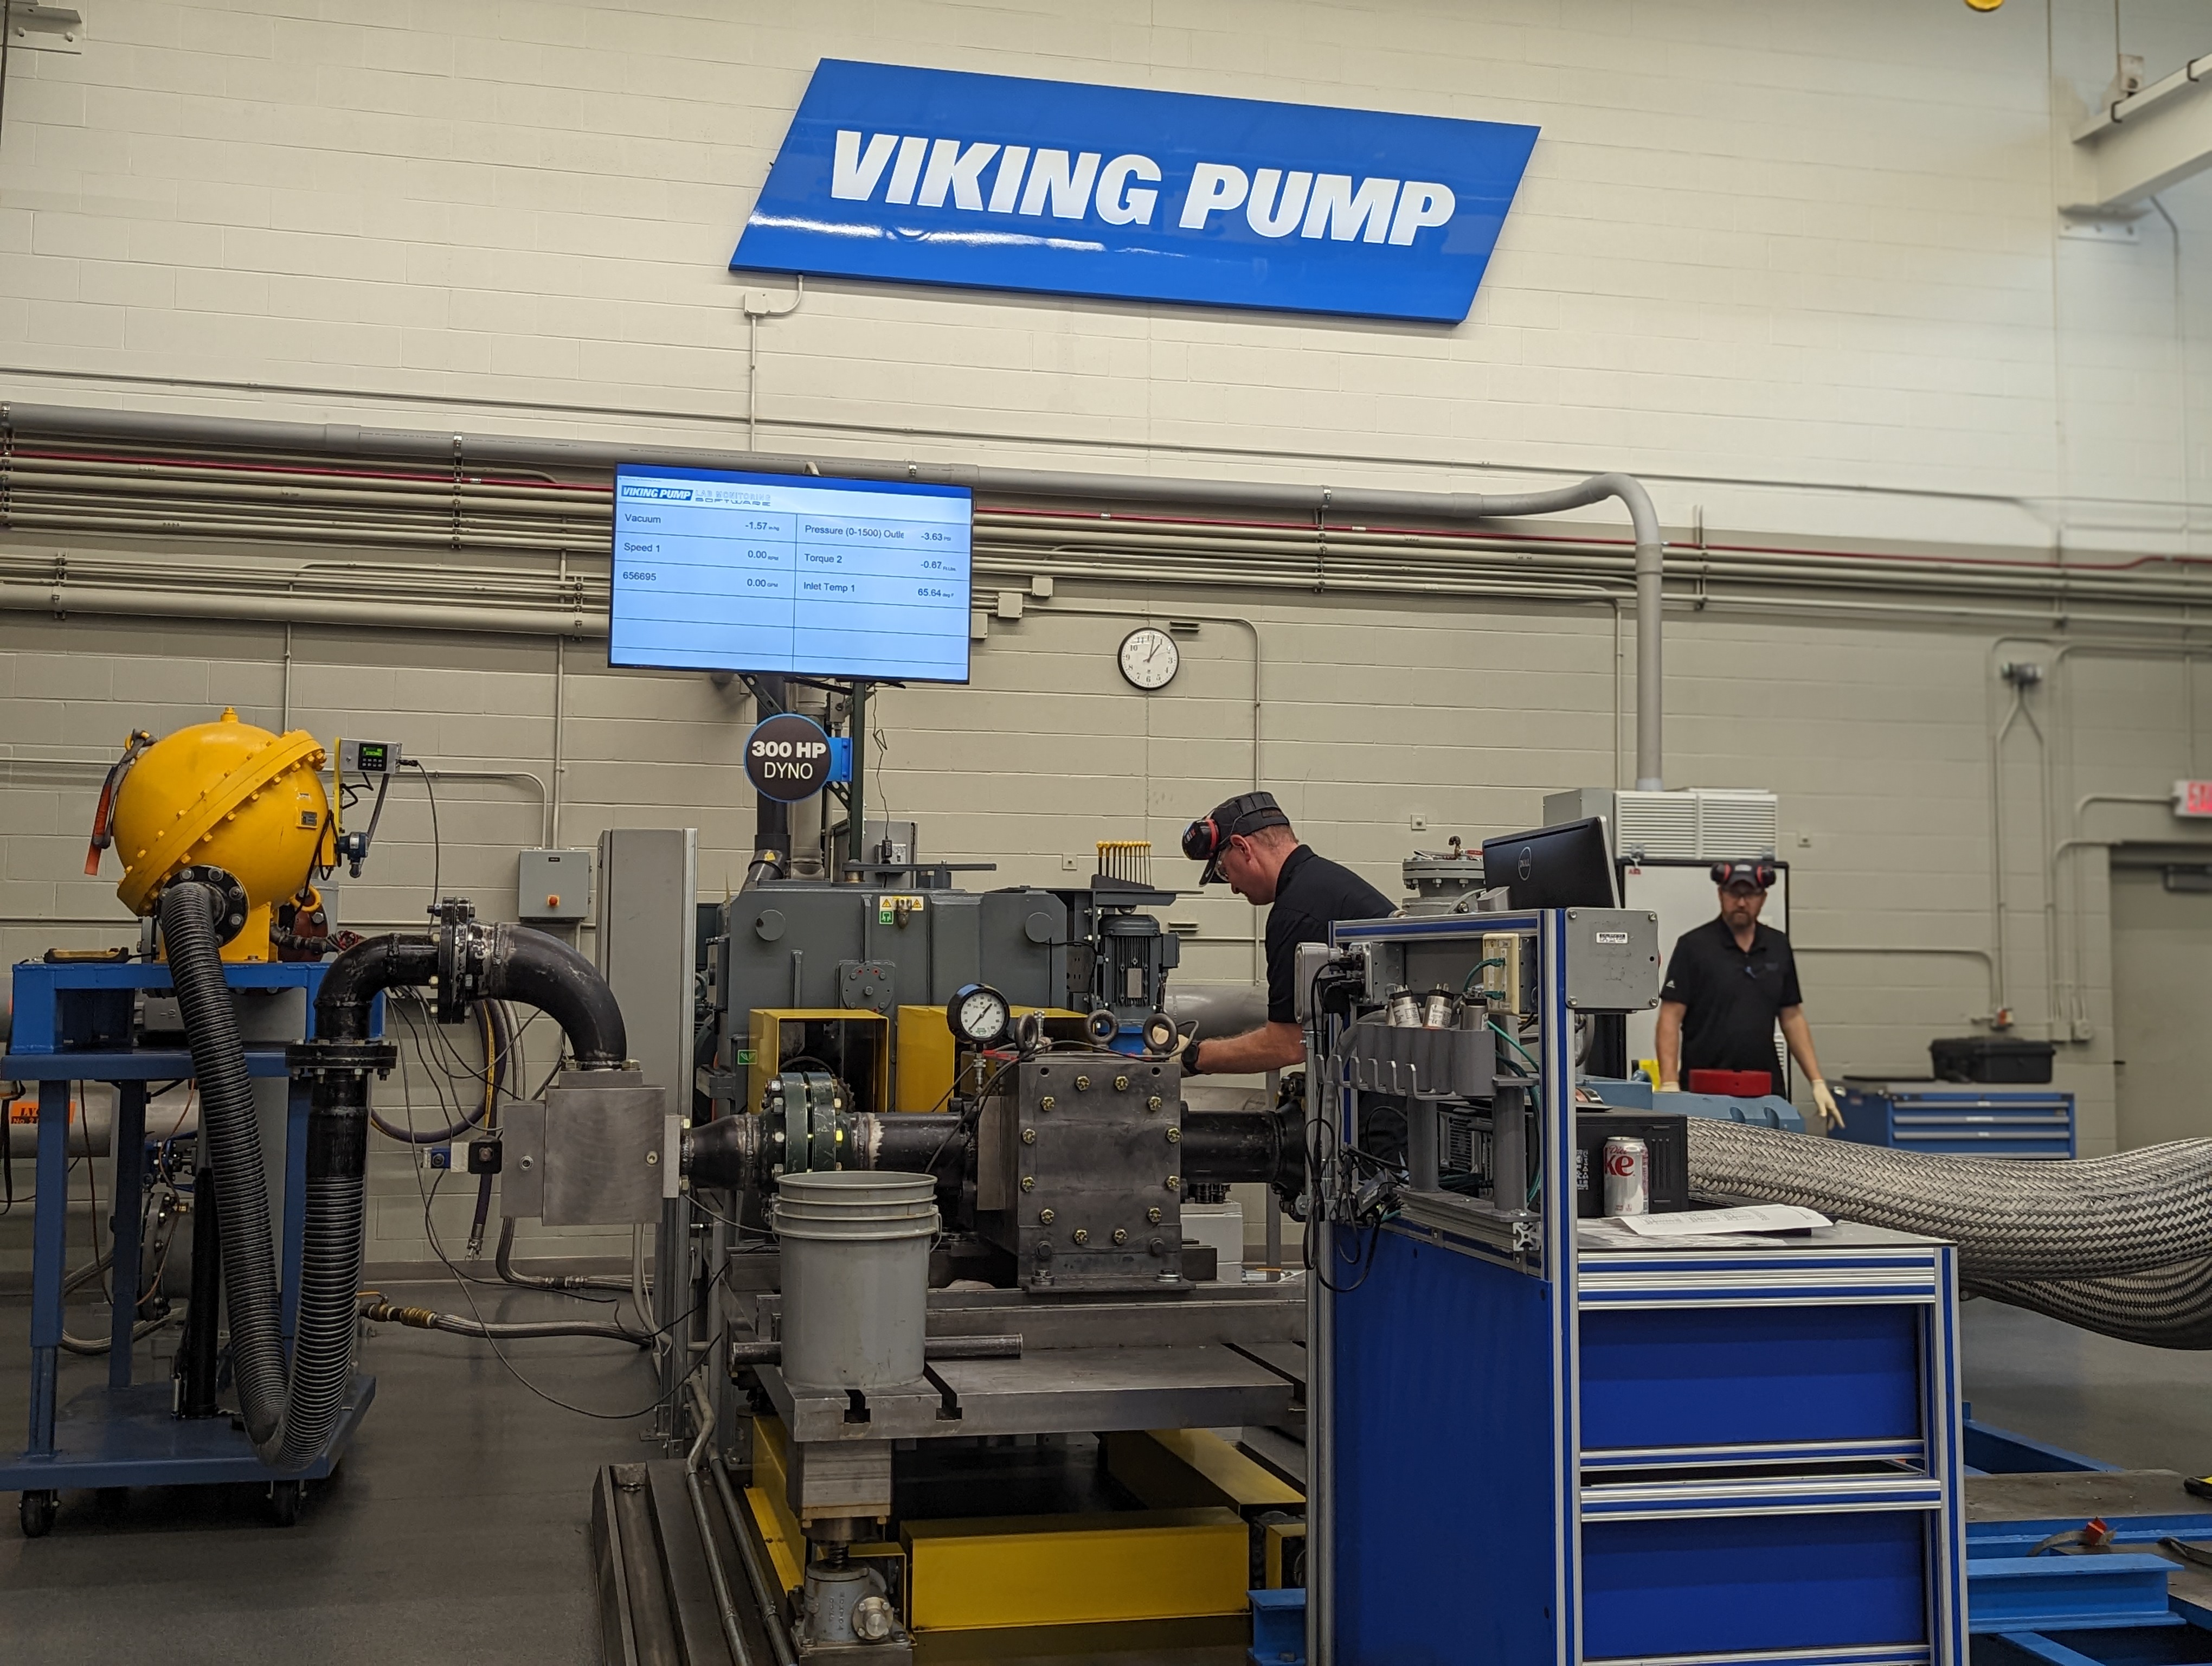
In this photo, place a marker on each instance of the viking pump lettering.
(923, 172)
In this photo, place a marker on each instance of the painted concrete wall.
(1801, 244)
(1798, 265)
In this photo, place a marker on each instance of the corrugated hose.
(2121, 1244)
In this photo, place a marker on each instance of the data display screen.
(819, 577)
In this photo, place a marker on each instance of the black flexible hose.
(232, 1143)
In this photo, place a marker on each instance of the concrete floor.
(458, 1530)
(2139, 1408)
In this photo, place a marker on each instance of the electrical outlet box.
(554, 885)
(1504, 969)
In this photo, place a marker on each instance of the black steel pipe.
(196, 1353)
(772, 819)
(1243, 1146)
(476, 962)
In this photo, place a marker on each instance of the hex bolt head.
(1175, 1136)
(1082, 1235)
(1029, 1183)
(1154, 1103)
(1156, 1247)
(1044, 1217)
(1083, 1083)
(1120, 1235)
(1120, 1085)
(1174, 1182)
(1029, 1136)
(1152, 1216)
(1045, 1103)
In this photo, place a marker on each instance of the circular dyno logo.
(788, 757)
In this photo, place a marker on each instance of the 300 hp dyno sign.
(932, 176)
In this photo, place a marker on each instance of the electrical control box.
(553, 885)
(369, 757)
(1612, 959)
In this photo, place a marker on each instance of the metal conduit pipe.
(281, 609)
(433, 510)
(1323, 500)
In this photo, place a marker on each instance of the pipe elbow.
(503, 962)
(359, 974)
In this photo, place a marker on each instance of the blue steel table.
(123, 1433)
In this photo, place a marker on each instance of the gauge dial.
(979, 1015)
(1150, 658)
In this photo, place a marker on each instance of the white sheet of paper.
(1751, 1218)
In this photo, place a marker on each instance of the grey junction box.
(553, 884)
(1612, 960)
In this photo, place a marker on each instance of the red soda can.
(1627, 1176)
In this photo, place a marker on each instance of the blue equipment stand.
(1540, 1450)
(122, 1433)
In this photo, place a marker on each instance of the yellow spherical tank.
(229, 795)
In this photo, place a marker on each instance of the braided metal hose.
(2168, 1307)
(2012, 1221)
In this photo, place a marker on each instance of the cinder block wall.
(1799, 266)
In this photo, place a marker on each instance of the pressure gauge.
(979, 1015)
(1150, 658)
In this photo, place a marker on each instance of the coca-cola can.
(1627, 1176)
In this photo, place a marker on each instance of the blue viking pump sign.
(933, 176)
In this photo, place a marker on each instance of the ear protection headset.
(1762, 874)
(1207, 838)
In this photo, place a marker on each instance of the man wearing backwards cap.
(1247, 840)
(1728, 982)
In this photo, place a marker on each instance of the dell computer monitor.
(800, 574)
(1566, 867)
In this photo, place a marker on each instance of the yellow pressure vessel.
(228, 795)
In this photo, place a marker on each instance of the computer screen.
(815, 576)
(1566, 867)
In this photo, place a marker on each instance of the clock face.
(1150, 658)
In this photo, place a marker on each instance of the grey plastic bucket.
(855, 1277)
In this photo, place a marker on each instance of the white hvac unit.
(1696, 824)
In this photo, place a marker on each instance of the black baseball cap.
(1204, 840)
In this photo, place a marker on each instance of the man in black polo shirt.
(1729, 984)
(1248, 841)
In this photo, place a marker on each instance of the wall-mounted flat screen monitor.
(802, 573)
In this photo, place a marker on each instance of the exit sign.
(2192, 797)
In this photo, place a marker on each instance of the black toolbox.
(1991, 1059)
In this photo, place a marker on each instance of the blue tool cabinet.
(1959, 1119)
(72, 1023)
(1582, 1450)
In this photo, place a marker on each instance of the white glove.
(1825, 1101)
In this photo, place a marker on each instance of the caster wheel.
(37, 1513)
(284, 1498)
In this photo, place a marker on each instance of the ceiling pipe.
(460, 450)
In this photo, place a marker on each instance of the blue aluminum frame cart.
(72, 1023)
(1534, 1442)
